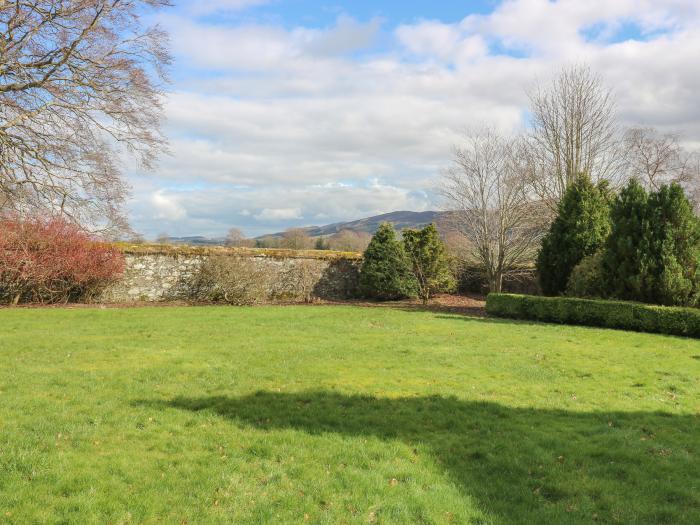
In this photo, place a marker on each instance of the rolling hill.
(400, 220)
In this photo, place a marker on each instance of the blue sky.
(285, 113)
(293, 13)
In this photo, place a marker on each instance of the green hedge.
(593, 312)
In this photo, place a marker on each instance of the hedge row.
(594, 312)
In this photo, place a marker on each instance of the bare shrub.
(298, 281)
(49, 260)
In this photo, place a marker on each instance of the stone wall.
(163, 273)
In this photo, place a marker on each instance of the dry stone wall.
(154, 274)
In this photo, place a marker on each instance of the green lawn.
(341, 415)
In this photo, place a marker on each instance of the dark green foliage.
(625, 262)
(580, 229)
(586, 279)
(674, 243)
(386, 272)
(429, 261)
(597, 312)
(651, 254)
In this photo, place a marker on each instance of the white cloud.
(445, 42)
(275, 127)
(347, 36)
(254, 47)
(167, 207)
(279, 214)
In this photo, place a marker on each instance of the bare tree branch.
(80, 82)
(487, 193)
(655, 159)
(573, 132)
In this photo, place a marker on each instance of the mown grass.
(341, 415)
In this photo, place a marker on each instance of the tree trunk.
(496, 284)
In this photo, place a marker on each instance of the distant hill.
(400, 220)
(196, 240)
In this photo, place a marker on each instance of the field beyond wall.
(341, 414)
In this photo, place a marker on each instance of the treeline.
(299, 239)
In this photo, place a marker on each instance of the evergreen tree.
(652, 253)
(385, 272)
(674, 241)
(429, 261)
(579, 230)
(627, 255)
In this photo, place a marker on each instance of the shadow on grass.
(522, 465)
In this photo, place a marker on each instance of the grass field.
(341, 415)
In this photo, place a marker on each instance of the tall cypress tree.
(579, 230)
(626, 258)
(674, 244)
(652, 252)
(386, 272)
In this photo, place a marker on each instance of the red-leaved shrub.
(49, 260)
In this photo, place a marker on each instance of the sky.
(285, 113)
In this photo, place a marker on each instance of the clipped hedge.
(597, 312)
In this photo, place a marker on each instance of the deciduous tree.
(349, 241)
(235, 237)
(487, 193)
(80, 82)
(296, 239)
(573, 131)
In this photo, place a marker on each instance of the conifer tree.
(385, 272)
(579, 230)
(429, 261)
(626, 257)
(674, 244)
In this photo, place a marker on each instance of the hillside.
(400, 220)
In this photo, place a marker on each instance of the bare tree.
(573, 132)
(163, 238)
(269, 241)
(235, 237)
(80, 82)
(486, 192)
(349, 241)
(296, 239)
(655, 159)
